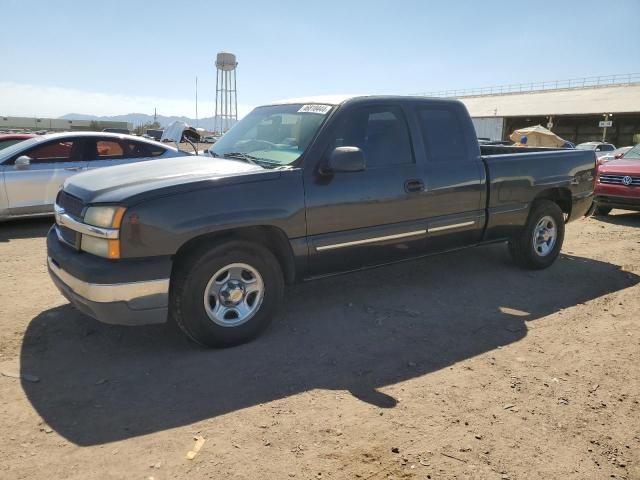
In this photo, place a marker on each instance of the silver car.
(33, 171)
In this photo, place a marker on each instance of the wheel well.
(560, 196)
(268, 236)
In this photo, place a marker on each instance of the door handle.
(414, 185)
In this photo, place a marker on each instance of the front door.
(32, 188)
(355, 219)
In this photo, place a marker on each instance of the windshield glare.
(633, 154)
(274, 135)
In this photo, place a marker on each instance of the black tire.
(192, 276)
(601, 211)
(522, 247)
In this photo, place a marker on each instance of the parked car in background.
(600, 148)
(209, 139)
(116, 130)
(155, 133)
(13, 138)
(617, 153)
(618, 183)
(32, 171)
(301, 189)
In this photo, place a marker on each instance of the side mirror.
(618, 155)
(345, 159)
(598, 149)
(22, 162)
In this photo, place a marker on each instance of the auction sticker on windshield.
(321, 109)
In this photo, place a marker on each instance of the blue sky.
(123, 56)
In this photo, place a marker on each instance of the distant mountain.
(207, 123)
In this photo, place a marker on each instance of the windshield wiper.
(261, 162)
(241, 156)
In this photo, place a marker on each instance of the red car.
(9, 139)
(618, 183)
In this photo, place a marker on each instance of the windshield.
(272, 136)
(586, 146)
(8, 143)
(18, 147)
(633, 154)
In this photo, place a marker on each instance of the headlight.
(102, 247)
(105, 217)
(95, 245)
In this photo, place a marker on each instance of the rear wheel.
(226, 294)
(539, 243)
(601, 211)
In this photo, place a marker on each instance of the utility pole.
(197, 101)
(604, 131)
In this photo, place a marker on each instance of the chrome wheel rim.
(233, 295)
(545, 235)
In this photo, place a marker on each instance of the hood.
(127, 182)
(621, 166)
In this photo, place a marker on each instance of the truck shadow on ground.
(30, 228)
(359, 332)
(626, 219)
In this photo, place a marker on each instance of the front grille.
(72, 205)
(619, 180)
(67, 235)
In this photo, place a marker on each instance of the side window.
(380, 132)
(442, 134)
(108, 150)
(606, 148)
(54, 152)
(133, 149)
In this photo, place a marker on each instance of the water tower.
(226, 99)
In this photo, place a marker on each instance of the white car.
(33, 171)
(601, 148)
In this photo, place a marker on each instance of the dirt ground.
(456, 366)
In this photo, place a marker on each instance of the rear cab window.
(443, 134)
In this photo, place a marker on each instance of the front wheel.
(226, 294)
(539, 243)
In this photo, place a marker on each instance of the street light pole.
(604, 131)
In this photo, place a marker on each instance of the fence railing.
(585, 82)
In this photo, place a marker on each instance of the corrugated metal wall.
(489, 127)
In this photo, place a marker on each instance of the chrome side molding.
(371, 240)
(451, 227)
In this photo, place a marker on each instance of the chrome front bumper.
(134, 303)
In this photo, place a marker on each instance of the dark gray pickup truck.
(296, 190)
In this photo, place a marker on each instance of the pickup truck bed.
(297, 190)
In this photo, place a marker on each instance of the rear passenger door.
(109, 151)
(454, 176)
(355, 219)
